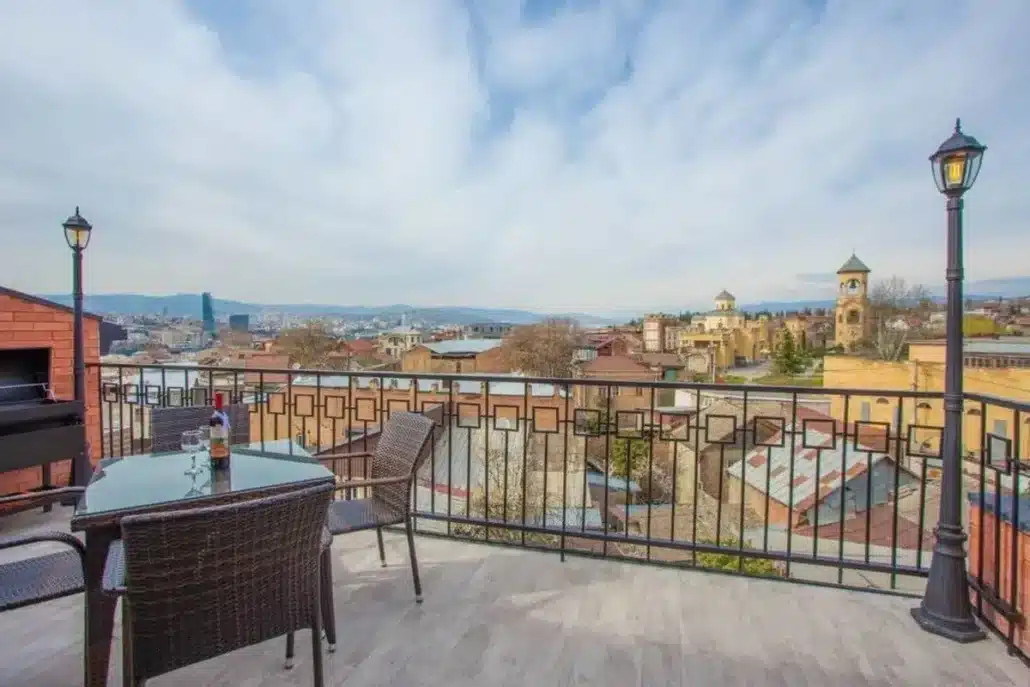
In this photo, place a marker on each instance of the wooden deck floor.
(498, 617)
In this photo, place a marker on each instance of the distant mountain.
(188, 305)
(1010, 287)
(788, 306)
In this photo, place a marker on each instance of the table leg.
(100, 608)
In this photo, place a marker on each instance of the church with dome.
(725, 315)
(725, 337)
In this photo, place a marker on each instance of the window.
(854, 317)
(866, 411)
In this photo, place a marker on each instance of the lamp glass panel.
(76, 237)
(954, 171)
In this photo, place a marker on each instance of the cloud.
(566, 156)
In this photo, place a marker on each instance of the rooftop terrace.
(503, 616)
(599, 534)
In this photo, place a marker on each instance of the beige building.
(853, 317)
(456, 356)
(654, 329)
(399, 341)
(808, 331)
(723, 337)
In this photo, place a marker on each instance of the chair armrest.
(114, 569)
(37, 499)
(345, 456)
(52, 537)
(363, 483)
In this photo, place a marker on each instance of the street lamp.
(945, 609)
(76, 232)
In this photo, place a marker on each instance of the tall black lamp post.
(945, 609)
(76, 233)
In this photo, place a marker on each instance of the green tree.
(790, 359)
(629, 456)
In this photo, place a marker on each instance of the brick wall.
(30, 324)
(995, 570)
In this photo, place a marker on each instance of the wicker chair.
(399, 453)
(42, 578)
(203, 582)
(168, 424)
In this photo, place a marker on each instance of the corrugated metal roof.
(462, 346)
(756, 465)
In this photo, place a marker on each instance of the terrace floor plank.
(503, 616)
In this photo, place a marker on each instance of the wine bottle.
(219, 426)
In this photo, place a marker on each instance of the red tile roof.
(360, 346)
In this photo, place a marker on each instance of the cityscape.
(541, 343)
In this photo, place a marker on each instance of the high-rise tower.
(208, 313)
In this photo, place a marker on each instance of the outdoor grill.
(35, 428)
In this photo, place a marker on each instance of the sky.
(556, 156)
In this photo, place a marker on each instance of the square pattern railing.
(830, 486)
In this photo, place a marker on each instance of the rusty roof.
(820, 460)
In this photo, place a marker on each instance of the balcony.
(766, 518)
(508, 616)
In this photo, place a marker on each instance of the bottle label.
(220, 440)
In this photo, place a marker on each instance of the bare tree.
(900, 313)
(546, 349)
(310, 345)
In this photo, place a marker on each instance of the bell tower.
(852, 322)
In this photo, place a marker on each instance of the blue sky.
(589, 156)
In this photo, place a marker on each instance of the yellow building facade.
(924, 371)
(725, 334)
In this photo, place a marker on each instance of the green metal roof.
(853, 265)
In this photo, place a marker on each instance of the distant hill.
(188, 305)
(1010, 287)
(788, 306)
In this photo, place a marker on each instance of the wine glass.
(191, 442)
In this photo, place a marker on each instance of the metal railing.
(828, 486)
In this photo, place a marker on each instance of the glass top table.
(158, 480)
